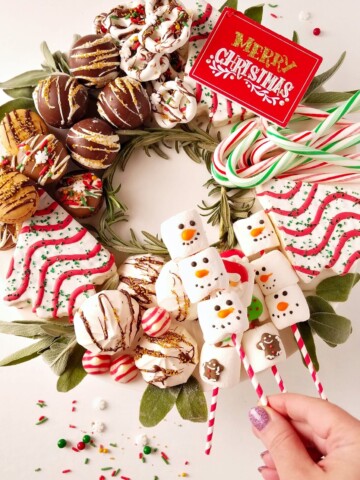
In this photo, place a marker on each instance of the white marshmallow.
(256, 233)
(222, 316)
(220, 367)
(184, 234)
(288, 306)
(263, 347)
(107, 322)
(241, 274)
(273, 272)
(202, 274)
(257, 310)
(171, 295)
(169, 360)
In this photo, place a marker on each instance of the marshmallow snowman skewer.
(285, 301)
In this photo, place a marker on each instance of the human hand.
(307, 439)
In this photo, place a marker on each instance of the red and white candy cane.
(308, 362)
(278, 379)
(211, 421)
(250, 372)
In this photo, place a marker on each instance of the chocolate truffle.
(18, 197)
(94, 60)
(124, 103)
(18, 126)
(93, 144)
(8, 235)
(60, 100)
(43, 158)
(80, 193)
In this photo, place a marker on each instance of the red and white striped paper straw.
(250, 372)
(211, 422)
(308, 361)
(278, 379)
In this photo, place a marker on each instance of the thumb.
(285, 446)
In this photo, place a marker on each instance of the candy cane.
(278, 379)
(308, 361)
(211, 421)
(250, 372)
(246, 168)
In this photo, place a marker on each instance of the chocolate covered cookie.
(18, 197)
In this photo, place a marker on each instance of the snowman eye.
(205, 260)
(193, 264)
(276, 296)
(181, 226)
(192, 223)
(261, 222)
(284, 293)
(217, 308)
(229, 302)
(263, 269)
(249, 227)
(257, 272)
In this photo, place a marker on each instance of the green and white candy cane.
(296, 154)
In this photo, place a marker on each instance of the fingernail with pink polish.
(259, 418)
(262, 454)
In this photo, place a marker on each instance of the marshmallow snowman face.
(273, 272)
(219, 367)
(222, 316)
(184, 234)
(256, 233)
(263, 347)
(202, 274)
(287, 306)
(241, 274)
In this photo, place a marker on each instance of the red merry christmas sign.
(254, 66)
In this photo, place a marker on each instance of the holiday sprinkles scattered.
(42, 420)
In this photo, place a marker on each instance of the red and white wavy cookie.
(56, 263)
(123, 369)
(318, 224)
(96, 364)
(156, 321)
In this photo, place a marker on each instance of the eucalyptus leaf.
(57, 356)
(323, 77)
(255, 13)
(329, 97)
(74, 372)
(49, 59)
(295, 37)
(332, 328)
(112, 283)
(27, 353)
(24, 92)
(230, 4)
(337, 288)
(27, 79)
(318, 304)
(29, 330)
(191, 402)
(156, 403)
(18, 103)
(308, 338)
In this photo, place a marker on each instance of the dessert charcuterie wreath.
(287, 209)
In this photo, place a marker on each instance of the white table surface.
(154, 189)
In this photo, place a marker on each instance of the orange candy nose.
(265, 278)
(255, 232)
(282, 306)
(201, 273)
(188, 234)
(225, 313)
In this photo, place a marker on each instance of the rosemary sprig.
(199, 145)
(231, 206)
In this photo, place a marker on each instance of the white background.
(154, 189)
